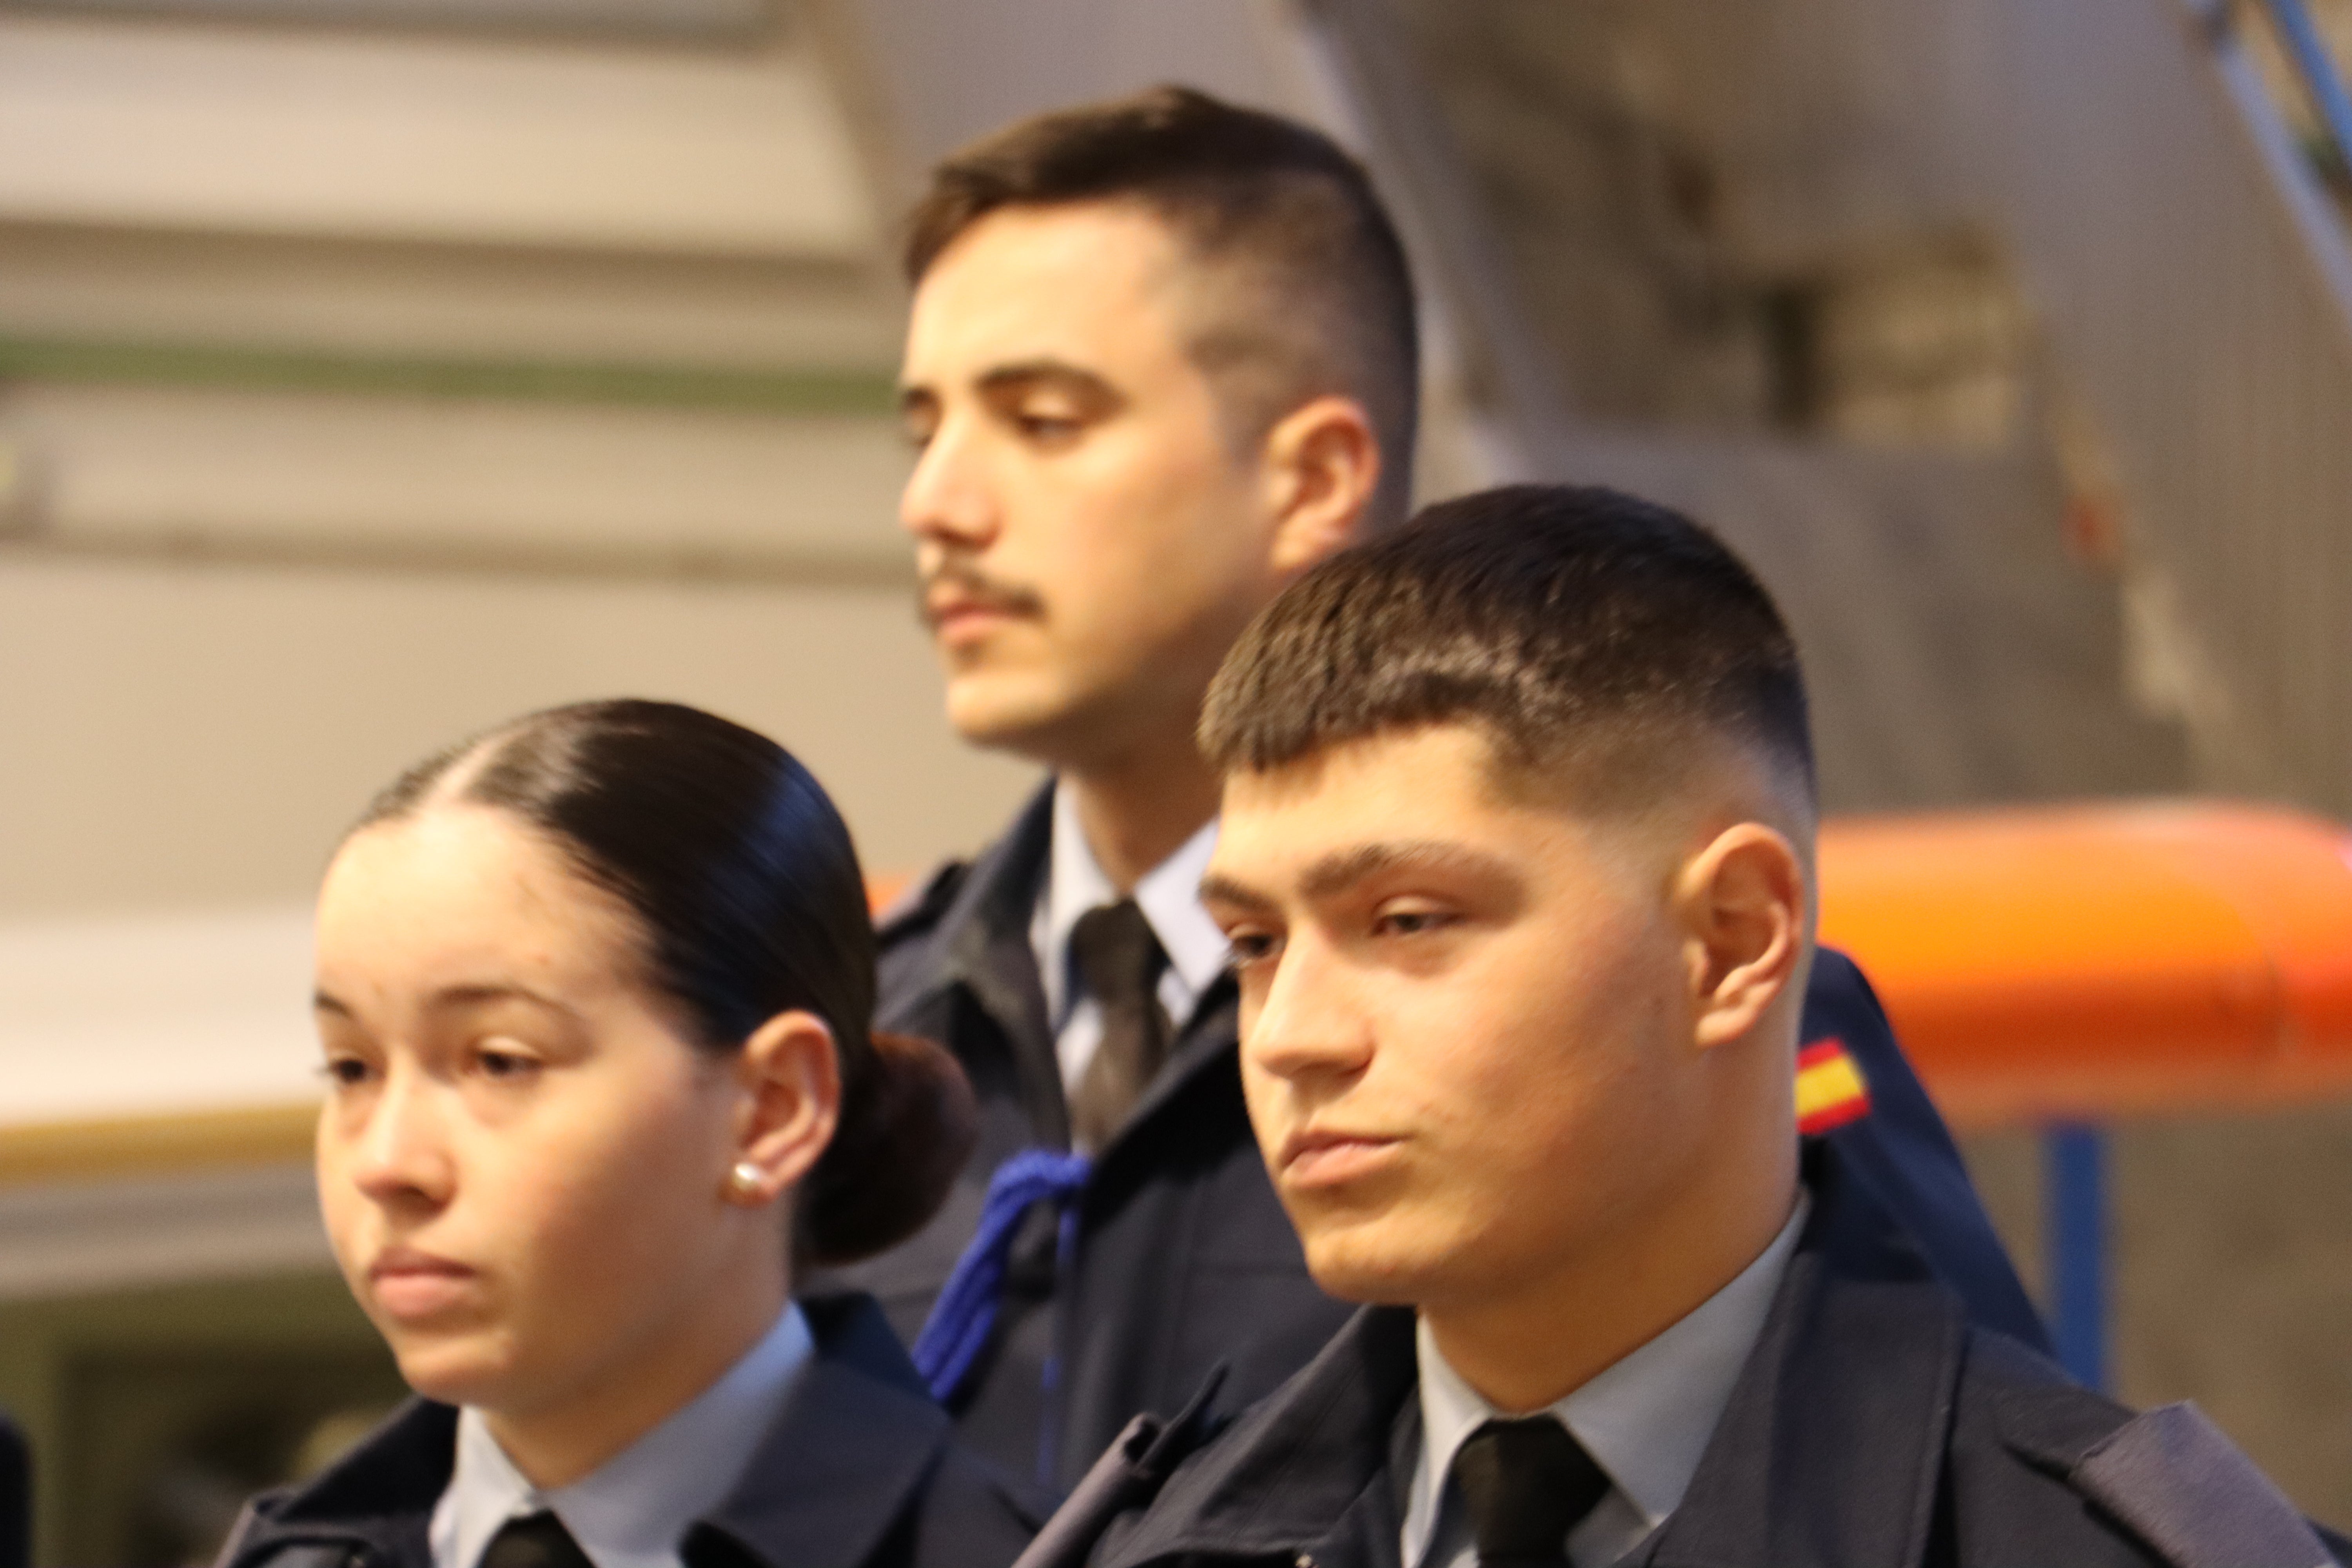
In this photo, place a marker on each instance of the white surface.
(305, 132)
(130, 1016)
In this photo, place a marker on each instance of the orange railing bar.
(2082, 963)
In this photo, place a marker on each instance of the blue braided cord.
(958, 1329)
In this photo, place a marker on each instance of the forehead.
(463, 887)
(1430, 784)
(1085, 283)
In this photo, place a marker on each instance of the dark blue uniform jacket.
(858, 1472)
(1183, 1258)
(1871, 1427)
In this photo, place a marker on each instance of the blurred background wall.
(372, 370)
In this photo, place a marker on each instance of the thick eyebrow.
(1344, 869)
(1022, 371)
(1218, 889)
(1019, 376)
(1347, 868)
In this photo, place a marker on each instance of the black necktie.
(1120, 960)
(1528, 1483)
(538, 1542)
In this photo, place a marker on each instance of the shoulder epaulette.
(2187, 1490)
(919, 907)
(2169, 1475)
(1125, 1478)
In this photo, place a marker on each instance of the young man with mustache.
(1161, 360)
(1515, 858)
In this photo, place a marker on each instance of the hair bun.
(906, 1131)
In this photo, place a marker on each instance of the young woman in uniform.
(594, 993)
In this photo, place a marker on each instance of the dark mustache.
(973, 587)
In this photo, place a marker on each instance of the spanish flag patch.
(1829, 1089)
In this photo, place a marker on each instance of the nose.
(948, 499)
(1310, 1027)
(399, 1155)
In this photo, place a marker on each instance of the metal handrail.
(2308, 53)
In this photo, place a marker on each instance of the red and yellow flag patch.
(1829, 1089)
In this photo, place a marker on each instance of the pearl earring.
(747, 1179)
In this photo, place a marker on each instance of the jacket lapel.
(844, 1456)
(1829, 1452)
(983, 940)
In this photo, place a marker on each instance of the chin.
(1369, 1269)
(1006, 714)
(453, 1371)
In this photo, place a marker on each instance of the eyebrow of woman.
(455, 997)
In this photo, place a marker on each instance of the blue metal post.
(2075, 1247)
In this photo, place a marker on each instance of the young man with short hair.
(1517, 862)
(1161, 360)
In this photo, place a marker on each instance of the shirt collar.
(1645, 1419)
(1169, 895)
(632, 1510)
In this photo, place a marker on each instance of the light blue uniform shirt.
(1646, 1420)
(632, 1510)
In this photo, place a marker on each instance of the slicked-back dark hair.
(1320, 298)
(749, 902)
(1593, 635)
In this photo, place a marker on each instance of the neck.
(1139, 808)
(1528, 1348)
(560, 1440)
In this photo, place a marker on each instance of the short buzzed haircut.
(1598, 640)
(1305, 281)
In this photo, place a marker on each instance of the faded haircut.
(1303, 289)
(1599, 640)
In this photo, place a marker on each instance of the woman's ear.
(1323, 464)
(790, 1073)
(1742, 903)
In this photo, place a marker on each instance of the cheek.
(615, 1197)
(1156, 542)
(1563, 1058)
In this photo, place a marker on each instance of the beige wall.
(176, 736)
(250, 567)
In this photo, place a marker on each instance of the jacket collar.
(1831, 1449)
(1304, 1473)
(847, 1450)
(1827, 1455)
(985, 932)
(378, 1497)
(854, 1441)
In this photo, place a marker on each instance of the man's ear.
(1322, 462)
(791, 1078)
(1742, 903)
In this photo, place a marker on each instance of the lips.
(959, 602)
(956, 619)
(408, 1284)
(1327, 1157)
